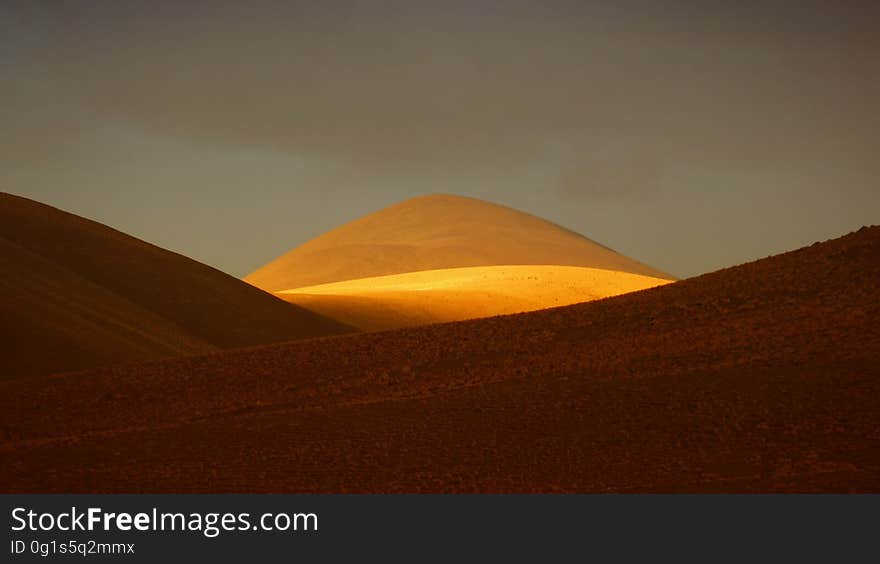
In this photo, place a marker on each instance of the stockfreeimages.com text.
(209, 524)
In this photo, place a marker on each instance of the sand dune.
(436, 296)
(437, 232)
(78, 294)
(758, 378)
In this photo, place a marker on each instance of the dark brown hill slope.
(433, 232)
(77, 294)
(763, 377)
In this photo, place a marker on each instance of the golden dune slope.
(436, 296)
(436, 232)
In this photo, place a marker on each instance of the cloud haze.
(595, 115)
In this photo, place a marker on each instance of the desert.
(761, 377)
(412, 277)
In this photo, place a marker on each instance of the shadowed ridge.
(74, 287)
(433, 232)
(758, 378)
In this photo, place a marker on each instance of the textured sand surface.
(77, 294)
(436, 232)
(758, 378)
(454, 294)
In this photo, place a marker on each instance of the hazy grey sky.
(689, 135)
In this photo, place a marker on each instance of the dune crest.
(433, 232)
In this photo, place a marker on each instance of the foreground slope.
(54, 320)
(763, 377)
(436, 232)
(454, 294)
(77, 294)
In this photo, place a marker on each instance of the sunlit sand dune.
(435, 296)
(435, 232)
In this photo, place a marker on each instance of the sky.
(690, 135)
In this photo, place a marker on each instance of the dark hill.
(759, 378)
(78, 294)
